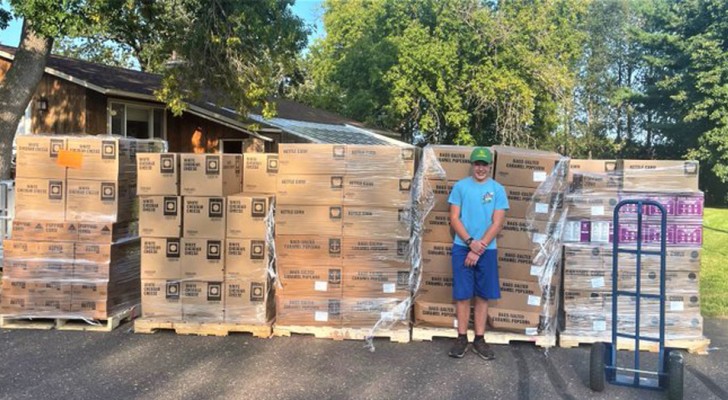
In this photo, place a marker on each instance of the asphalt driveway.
(124, 365)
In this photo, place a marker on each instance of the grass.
(714, 264)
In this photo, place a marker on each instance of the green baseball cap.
(481, 154)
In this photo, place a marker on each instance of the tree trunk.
(18, 87)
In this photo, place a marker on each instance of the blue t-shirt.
(477, 203)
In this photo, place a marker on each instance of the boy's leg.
(481, 314)
(462, 292)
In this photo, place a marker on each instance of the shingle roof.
(295, 118)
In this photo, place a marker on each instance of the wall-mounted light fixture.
(42, 104)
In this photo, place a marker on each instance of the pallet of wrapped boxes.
(73, 260)
(528, 245)
(342, 231)
(205, 261)
(596, 187)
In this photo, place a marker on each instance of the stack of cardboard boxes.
(529, 244)
(75, 249)
(204, 258)
(441, 167)
(527, 265)
(342, 233)
(597, 186)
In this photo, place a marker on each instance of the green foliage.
(5, 18)
(234, 53)
(713, 274)
(449, 71)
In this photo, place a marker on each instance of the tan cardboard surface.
(246, 301)
(309, 220)
(437, 227)
(323, 189)
(203, 301)
(376, 222)
(160, 216)
(101, 201)
(161, 299)
(246, 258)
(380, 160)
(45, 230)
(103, 158)
(161, 258)
(36, 156)
(313, 311)
(310, 279)
(40, 199)
(524, 168)
(246, 214)
(435, 314)
(323, 159)
(203, 259)
(204, 217)
(454, 160)
(260, 172)
(375, 282)
(381, 190)
(157, 174)
(437, 257)
(299, 248)
(211, 174)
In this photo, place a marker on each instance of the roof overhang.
(191, 108)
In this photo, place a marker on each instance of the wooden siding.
(182, 137)
(66, 111)
(95, 113)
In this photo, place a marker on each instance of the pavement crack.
(557, 381)
(709, 383)
(522, 366)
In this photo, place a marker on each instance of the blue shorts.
(479, 280)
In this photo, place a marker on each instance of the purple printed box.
(690, 204)
(650, 233)
(667, 201)
(688, 233)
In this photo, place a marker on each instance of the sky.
(309, 10)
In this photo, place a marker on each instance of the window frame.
(137, 104)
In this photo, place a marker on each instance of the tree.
(462, 71)
(230, 52)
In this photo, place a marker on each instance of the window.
(137, 120)
(231, 146)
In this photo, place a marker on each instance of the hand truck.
(603, 358)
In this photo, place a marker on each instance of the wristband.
(470, 240)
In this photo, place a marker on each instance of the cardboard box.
(161, 258)
(204, 217)
(297, 249)
(381, 191)
(382, 253)
(676, 259)
(447, 162)
(36, 157)
(594, 175)
(211, 174)
(101, 201)
(675, 281)
(377, 222)
(366, 281)
(440, 192)
(37, 250)
(45, 230)
(588, 230)
(46, 269)
(525, 202)
(103, 158)
(435, 314)
(576, 278)
(311, 190)
(525, 168)
(311, 159)
(203, 301)
(366, 159)
(40, 199)
(246, 215)
(203, 259)
(309, 220)
(365, 312)
(437, 257)
(526, 296)
(309, 280)
(514, 320)
(519, 234)
(107, 232)
(592, 205)
(104, 253)
(436, 227)
(668, 202)
(161, 299)
(659, 175)
(689, 204)
(160, 216)
(260, 172)
(246, 258)
(246, 301)
(308, 311)
(157, 174)
(524, 265)
(585, 300)
(436, 288)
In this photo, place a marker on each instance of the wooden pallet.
(401, 335)
(151, 325)
(427, 333)
(69, 324)
(693, 346)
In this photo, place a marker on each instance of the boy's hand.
(471, 259)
